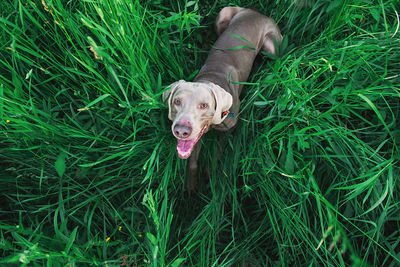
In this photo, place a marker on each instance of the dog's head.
(193, 107)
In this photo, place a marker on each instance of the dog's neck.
(222, 79)
(213, 77)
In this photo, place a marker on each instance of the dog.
(212, 99)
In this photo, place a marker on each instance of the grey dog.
(212, 100)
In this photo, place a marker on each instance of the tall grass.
(90, 175)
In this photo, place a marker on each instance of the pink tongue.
(185, 147)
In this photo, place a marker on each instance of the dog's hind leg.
(272, 33)
(224, 17)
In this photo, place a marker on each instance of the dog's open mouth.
(185, 147)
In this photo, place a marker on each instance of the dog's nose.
(182, 131)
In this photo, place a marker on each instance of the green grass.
(90, 175)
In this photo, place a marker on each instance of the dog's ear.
(167, 96)
(223, 101)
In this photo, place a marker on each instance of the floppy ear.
(223, 101)
(167, 96)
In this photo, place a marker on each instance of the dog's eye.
(177, 101)
(203, 106)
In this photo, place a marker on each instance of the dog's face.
(193, 107)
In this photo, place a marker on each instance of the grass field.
(89, 170)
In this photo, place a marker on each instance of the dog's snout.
(182, 131)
